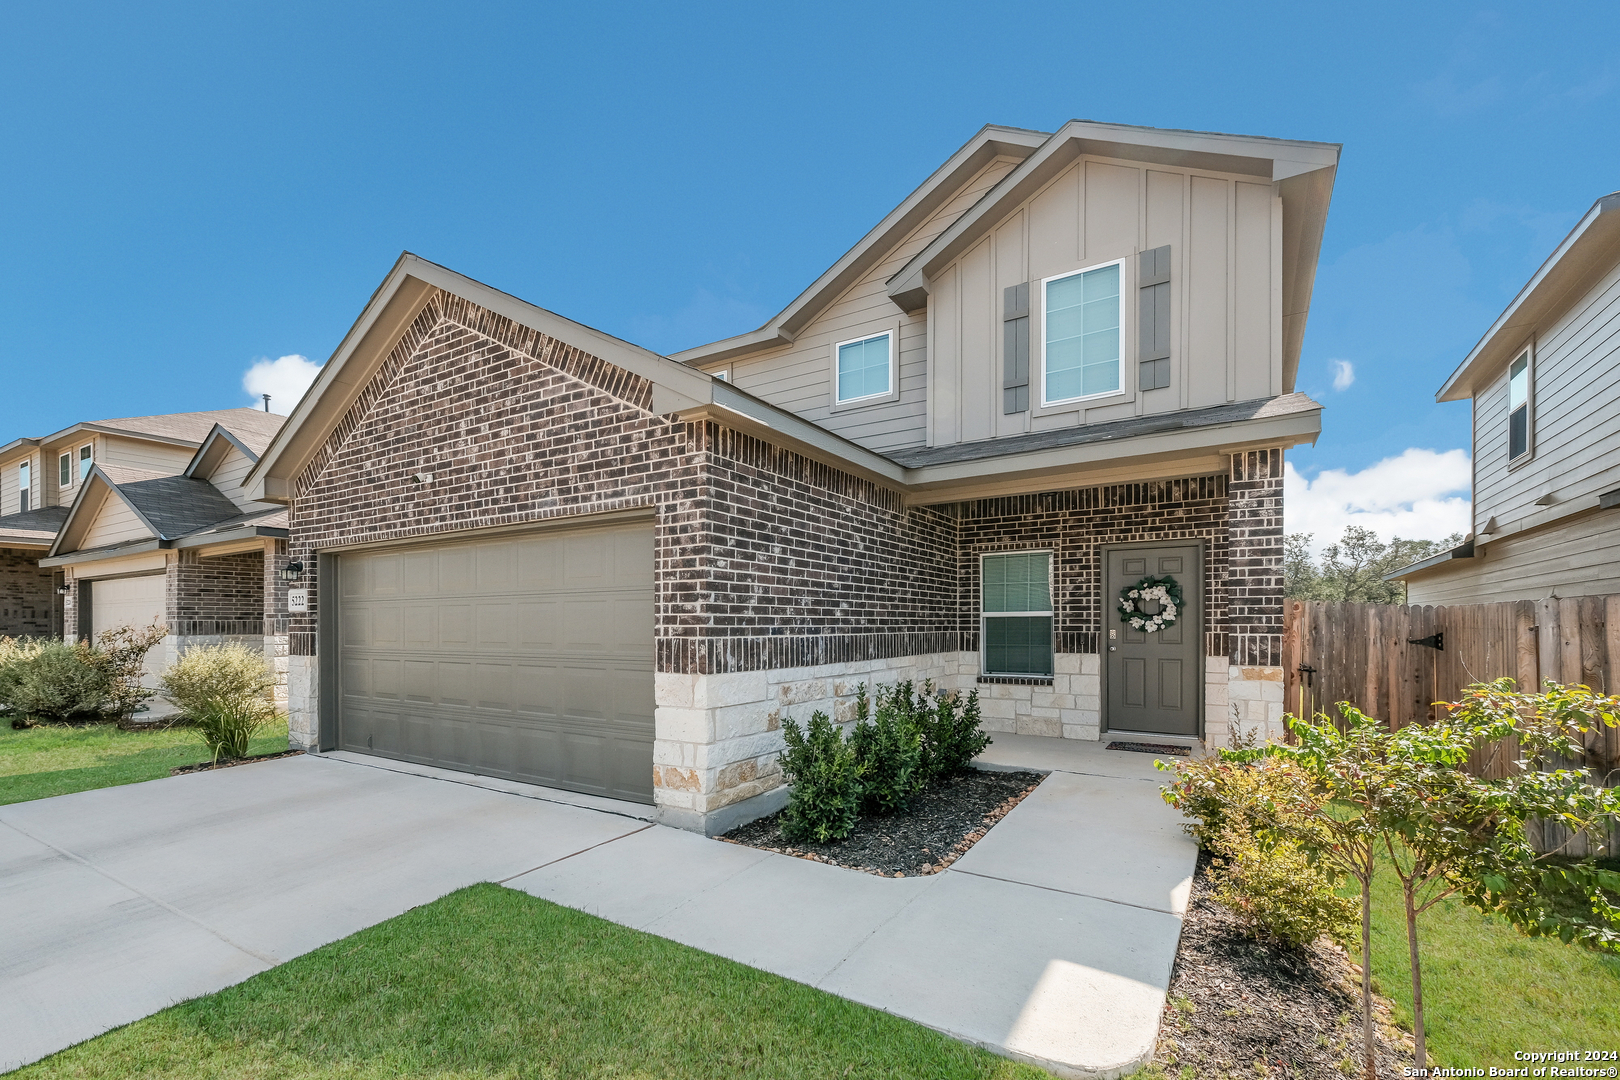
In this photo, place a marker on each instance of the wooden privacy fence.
(1394, 662)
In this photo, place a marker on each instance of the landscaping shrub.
(232, 674)
(228, 726)
(121, 655)
(52, 681)
(951, 737)
(888, 749)
(825, 800)
(1275, 889)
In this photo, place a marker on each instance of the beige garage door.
(130, 601)
(528, 657)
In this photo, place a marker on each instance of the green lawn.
(490, 982)
(1489, 990)
(55, 760)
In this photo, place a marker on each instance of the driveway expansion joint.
(571, 854)
(1067, 892)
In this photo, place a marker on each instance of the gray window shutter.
(1153, 306)
(1015, 349)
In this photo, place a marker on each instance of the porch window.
(1519, 407)
(1016, 613)
(1080, 357)
(865, 368)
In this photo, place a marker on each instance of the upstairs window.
(1519, 407)
(1081, 353)
(25, 483)
(1016, 613)
(85, 461)
(865, 368)
(64, 471)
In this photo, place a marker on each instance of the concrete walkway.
(1050, 941)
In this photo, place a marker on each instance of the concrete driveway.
(1051, 941)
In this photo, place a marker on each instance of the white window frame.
(64, 465)
(890, 392)
(1528, 352)
(984, 636)
(25, 494)
(80, 471)
(1124, 344)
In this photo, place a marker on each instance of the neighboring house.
(1064, 363)
(40, 478)
(1544, 383)
(188, 549)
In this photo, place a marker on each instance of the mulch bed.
(1238, 1006)
(209, 766)
(941, 825)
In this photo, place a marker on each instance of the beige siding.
(228, 477)
(1578, 558)
(1575, 407)
(113, 523)
(157, 457)
(799, 377)
(10, 488)
(1225, 279)
(65, 495)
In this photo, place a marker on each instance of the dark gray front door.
(1153, 678)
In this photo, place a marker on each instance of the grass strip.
(492, 982)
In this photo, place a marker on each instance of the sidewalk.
(1051, 941)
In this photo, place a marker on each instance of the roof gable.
(166, 507)
(989, 143)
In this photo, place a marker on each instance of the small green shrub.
(1280, 893)
(121, 655)
(950, 732)
(230, 673)
(825, 800)
(51, 680)
(888, 749)
(227, 727)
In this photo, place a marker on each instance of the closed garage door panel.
(526, 657)
(131, 601)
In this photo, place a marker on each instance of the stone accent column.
(1254, 596)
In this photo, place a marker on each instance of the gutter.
(190, 540)
(1464, 550)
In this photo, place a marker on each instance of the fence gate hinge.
(1309, 673)
(1436, 640)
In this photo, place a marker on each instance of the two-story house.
(41, 477)
(1060, 372)
(1544, 385)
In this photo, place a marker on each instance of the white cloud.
(1344, 373)
(1418, 495)
(285, 379)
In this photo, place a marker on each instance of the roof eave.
(1464, 550)
(1540, 296)
(246, 532)
(134, 547)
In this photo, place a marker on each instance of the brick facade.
(27, 596)
(222, 595)
(776, 577)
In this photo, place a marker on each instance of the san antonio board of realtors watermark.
(1534, 1063)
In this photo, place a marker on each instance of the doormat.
(1151, 748)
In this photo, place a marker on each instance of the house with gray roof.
(1024, 438)
(41, 476)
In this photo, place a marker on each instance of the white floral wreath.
(1165, 591)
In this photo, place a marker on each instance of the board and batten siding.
(114, 523)
(1580, 557)
(1575, 416)
(799, 377)
(1225, 239)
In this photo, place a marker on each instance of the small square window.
(1016, 613)
(865, 368)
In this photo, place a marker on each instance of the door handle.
(1110, 648)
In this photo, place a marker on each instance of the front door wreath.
(1164, 591)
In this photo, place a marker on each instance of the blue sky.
(187, 189)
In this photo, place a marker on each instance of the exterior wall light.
(64, 589)
(292, 571)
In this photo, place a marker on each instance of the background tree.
(1353, 568)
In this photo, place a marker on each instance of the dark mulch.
(1238, 1006)
(940, 826)
(209, 766)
